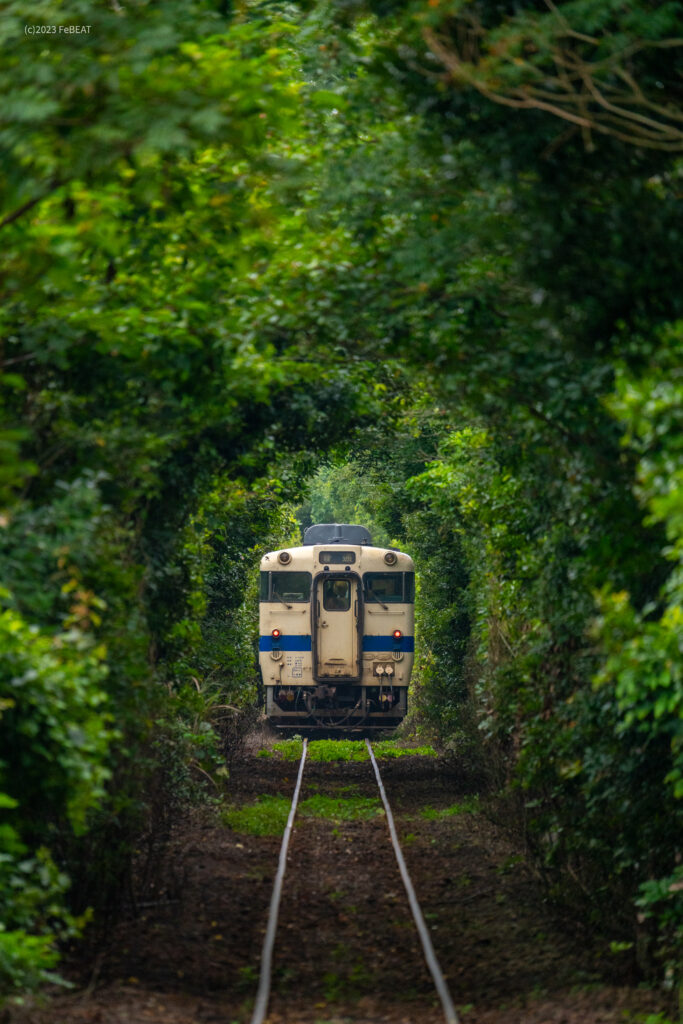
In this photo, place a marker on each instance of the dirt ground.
(346, 948)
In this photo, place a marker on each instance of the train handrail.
(263, 991)
(427, 947)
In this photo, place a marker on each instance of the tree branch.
(11, 217)
(575, 93)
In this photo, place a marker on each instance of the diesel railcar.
(336, 631)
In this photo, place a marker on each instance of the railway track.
(265, 976)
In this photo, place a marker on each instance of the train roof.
(336, 533)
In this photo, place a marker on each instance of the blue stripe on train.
(300, 642)
(293, 642)
(387, 643)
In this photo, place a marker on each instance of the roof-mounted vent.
(337, 533)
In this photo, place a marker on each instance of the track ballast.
(265, 976)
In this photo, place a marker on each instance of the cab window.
(389, 587)
(291, 587)
(337, 595)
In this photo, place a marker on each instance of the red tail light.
(276, 634)
(397, 634)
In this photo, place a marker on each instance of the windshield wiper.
(379, 601)
(275, 594)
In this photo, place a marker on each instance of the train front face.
(336, 635)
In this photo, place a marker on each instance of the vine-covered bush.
(578, 687)
(644, 646)
(54, 742)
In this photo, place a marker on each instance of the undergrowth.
(343, 750)
(470, 806)
(268, 815)
(355, 808)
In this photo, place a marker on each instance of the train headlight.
(397, 634)
(390, 558)
(284, 557)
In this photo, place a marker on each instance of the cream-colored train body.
(336, 631)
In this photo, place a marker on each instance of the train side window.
(389, 587)
(337, 595)
(383, 587)
(264, 579)
(291, 587)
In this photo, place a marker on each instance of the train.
(337, 639)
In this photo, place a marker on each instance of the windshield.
(290, 587)
(389, 587)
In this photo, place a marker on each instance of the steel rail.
(430, 956)
(263, 991)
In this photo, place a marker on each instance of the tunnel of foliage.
(433, 246)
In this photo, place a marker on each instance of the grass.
(356, 808)
(470, 806)
(268, 815)
(352, 979)
(248, 977)
(338, 986)
(509, 864)
(343, 750)
(390, 748)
